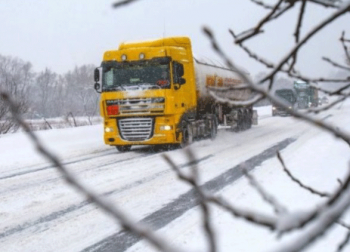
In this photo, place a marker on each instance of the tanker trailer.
(212, 79)
(155, 93)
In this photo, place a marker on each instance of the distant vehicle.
(306, 95)
(288, 96)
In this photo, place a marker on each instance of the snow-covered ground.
(40, 212)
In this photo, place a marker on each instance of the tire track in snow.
(71, 208)
(58, 214)
(57, 178)
(52, 166)
(122, 240)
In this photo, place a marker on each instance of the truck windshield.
(286, 95)
(136, 75)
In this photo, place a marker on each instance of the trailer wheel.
(240, 122)
(250, 118)
(123, 148)
(187, 136)
(214, 128)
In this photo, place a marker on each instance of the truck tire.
(240, 122)
(249, 118)
(123, 148)
(214, 128)
(187, 136)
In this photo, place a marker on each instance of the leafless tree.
(81, 95)
(43, 92)
(16, 77)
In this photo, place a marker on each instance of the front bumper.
(162, 131)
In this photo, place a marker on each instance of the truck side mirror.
(97, 75)
(98, 80)
(182, 81)
(178, 72)
(180, 69)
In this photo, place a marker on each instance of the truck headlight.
(108, 129)
(273, 108)
(166, 127)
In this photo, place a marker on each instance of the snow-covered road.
(40, 212)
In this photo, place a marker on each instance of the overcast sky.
(63, 34)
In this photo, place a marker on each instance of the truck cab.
(288, 97)
(147, 90)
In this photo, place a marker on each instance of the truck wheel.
(123, 148)
(214, 128)
(187, 136)
(250, 118)
(240, 122)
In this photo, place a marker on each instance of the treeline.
(45, 94)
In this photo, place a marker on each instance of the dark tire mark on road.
(122, 240)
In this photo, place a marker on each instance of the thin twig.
(300, 21)
(335, 64)
(330, 105)
(313, 191)
(123, 3)
(278, 208)
(344, 242)
(305, 39)
(253, 32)
(343, 42)
(287, 71)
(266, 6)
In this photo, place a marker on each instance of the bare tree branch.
(340, 90)
(253, 32)
(300, 21)
(314, 31)
(346, 50)
(123, 3)
(278, 208)
(116, 213)
(313, 191)
(330, 105)
(322, 217)
(335, 64)
(193, 181)
(294, 74)
(344, 243)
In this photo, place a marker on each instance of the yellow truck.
(157, 93)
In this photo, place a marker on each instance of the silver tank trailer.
(210, 74)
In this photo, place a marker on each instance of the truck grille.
(136, 128)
